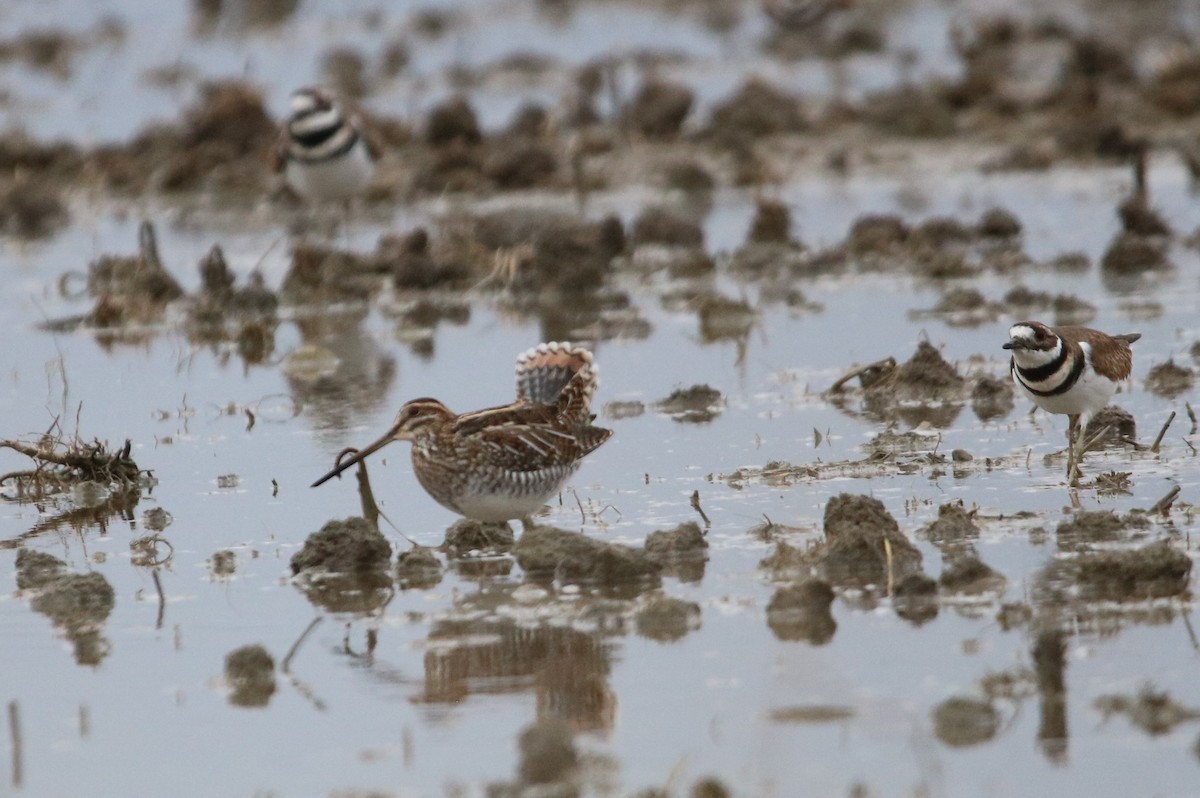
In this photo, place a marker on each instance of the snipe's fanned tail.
(547, 371)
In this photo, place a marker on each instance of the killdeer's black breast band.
(1045, 372)
(316, 138)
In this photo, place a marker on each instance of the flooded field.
(828, 549)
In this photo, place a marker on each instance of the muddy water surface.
(1050, 671)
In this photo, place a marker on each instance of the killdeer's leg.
(1073, 453)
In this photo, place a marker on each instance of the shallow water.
(427, 695)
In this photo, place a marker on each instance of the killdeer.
(324, 152)
(1071, 371)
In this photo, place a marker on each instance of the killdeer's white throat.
(1072, 371)
(323, 150)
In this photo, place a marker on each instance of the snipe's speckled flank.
(503, 463)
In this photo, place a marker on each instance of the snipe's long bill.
(504, 462)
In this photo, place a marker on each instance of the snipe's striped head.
(417, 417)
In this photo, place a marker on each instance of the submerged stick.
(1163, 505)
(697, 508)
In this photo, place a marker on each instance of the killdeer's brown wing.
(1111, 354)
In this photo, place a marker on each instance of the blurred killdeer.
(323, 151)
(1069, 370)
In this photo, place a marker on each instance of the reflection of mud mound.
(572, 556)
(418, 569)
(915, 599)
(1155, 571)
(1152, 711)
(658, 109)
(682, 551)
(953, 531)
(566, 669)
(802, 612)
(250, 674)
(667, 619)
(548, 753)
(992, 397)
(854, 550)
(1086, 528)
(960, 722)
(968, 574)
(78, 604)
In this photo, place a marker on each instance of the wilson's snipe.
(504, 462)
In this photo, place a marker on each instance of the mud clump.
(223, 563)
(803, 612)
(910, 111)
(131, 287)
(345, 547)
(547, 249)
(992, 397)
(1121, 425)
(667, 619)
(546, 551)
(520, 165)
(250, 674)
(1132, 254)
(695, 405)
(755, 110)
(31, 209)
(854, 553)
(418, 569)
(322, 274)
(772, 223)
(547, 751)
(222, 141)
(659, 108)
(999, 223)
(658, 225)
(725, 319)
(960, 722)
(453, 121)
(953, 531)
(413, 265)
(786, 562)
(1168, 380)
(970, 575)
(466, 535)
(926, 378)
(877, 235)
(681, 551)
(1154, 571)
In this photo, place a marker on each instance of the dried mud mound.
(349, 546)
(466, 535)
(546, 551)
(667, 619)
(682, 551)
(418, 569)
(1086, 528)
(854, 551)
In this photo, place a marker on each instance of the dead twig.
(1162, 432)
